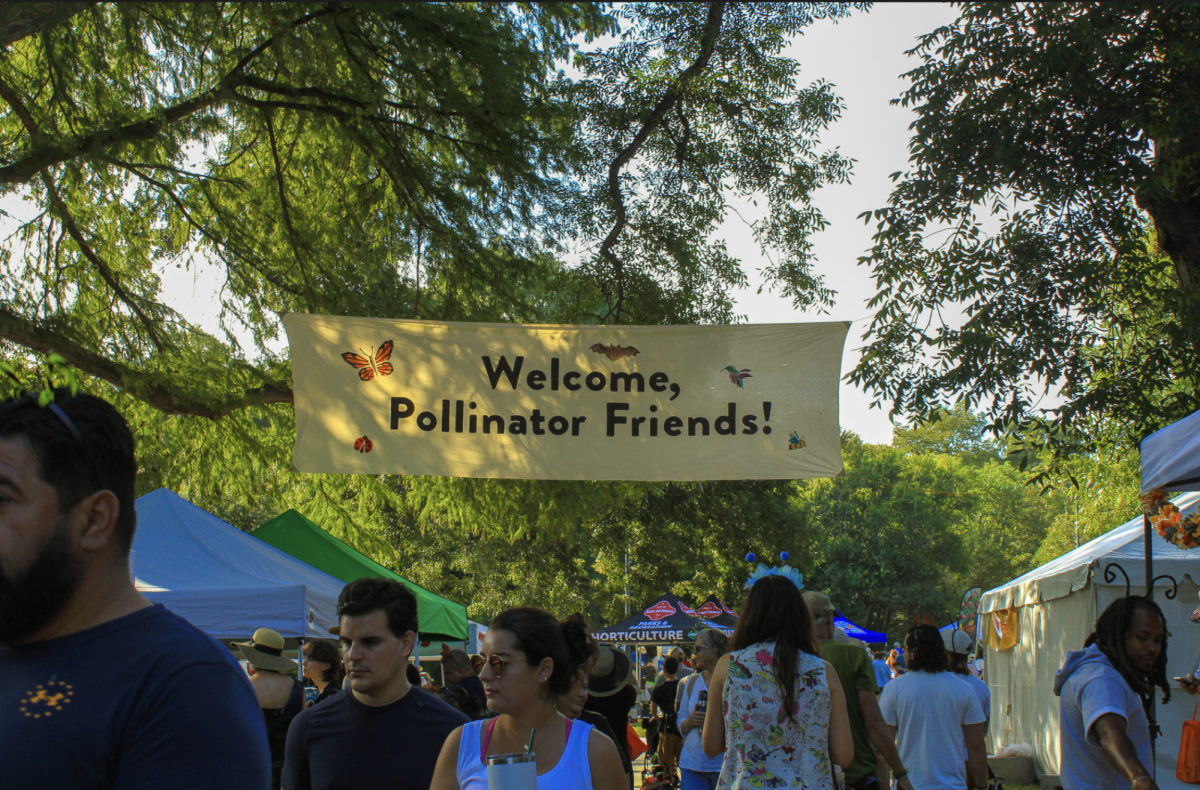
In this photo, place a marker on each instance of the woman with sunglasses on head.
(697, 770)
(531, 660)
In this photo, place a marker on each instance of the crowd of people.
(100, 688)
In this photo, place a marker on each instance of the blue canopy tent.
(221, 579)
(858, 632)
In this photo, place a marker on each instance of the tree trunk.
(1175, 208)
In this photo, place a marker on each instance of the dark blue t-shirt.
(144, 701)
(343, 743)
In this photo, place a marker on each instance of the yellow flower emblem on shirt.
(47, 699)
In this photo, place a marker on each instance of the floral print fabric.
(764, 747)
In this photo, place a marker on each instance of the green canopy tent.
(292, 533)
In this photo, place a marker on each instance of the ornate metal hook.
(1171, 593)
(1109, 576)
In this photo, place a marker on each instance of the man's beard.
(33, 597)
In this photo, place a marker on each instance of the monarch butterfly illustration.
(374, 364)
(363, 444)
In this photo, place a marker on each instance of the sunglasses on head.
(29, 399)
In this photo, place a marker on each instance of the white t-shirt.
(928, 711)
(693, 757)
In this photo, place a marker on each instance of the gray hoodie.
(1088, 687)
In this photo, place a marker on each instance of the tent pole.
(1149, 552)
(1148, 549)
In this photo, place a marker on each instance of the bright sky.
(863, 57)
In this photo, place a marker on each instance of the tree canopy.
(479, 162)
(1053, 199)
(424, 160)
(913, 526)
(565, 162)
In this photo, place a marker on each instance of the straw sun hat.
(265, 651)
(610, 672)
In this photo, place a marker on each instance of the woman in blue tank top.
(531, 659)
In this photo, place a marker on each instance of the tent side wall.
(1021, 680)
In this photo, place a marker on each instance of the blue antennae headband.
(786, 571)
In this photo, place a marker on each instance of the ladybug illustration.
(363, 444)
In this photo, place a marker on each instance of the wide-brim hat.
(610, 673)
(265, 651)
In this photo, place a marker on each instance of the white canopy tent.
(1057, 608)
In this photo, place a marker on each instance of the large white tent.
(221, 579)
(1058, 604)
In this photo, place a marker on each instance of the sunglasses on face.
(498, 664)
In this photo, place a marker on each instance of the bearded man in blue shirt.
(100, 688)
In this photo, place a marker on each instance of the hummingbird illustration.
(736, 376)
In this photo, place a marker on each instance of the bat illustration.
(374, 364)
(615, 352)
(736, 376)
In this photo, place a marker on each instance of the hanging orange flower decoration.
(1168, 522)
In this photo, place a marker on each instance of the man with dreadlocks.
(1105, 691)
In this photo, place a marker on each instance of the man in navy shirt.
(382, 731)
(99, 688)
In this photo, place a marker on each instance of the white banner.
(549, 402)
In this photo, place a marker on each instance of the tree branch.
(139, 384)
(72, 227)
(44, 156)
(13, 100)
(708, 42)
(207, 233)
(299, 92)
(287, 214)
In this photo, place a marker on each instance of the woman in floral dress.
(783, 711)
